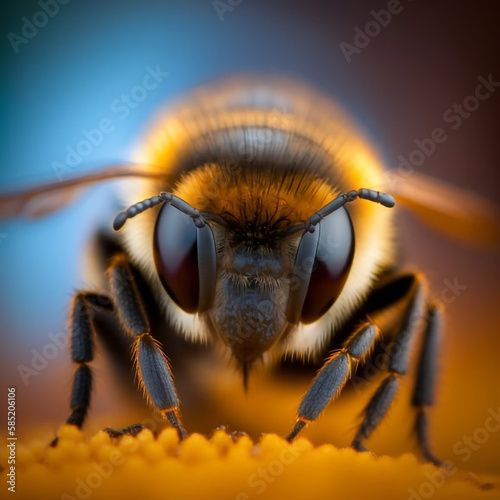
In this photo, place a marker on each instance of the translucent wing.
(45, 199)
(450, 210)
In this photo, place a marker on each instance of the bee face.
(249, 311)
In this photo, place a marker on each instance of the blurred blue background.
(66, 77)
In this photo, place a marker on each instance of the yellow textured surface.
(220, 467)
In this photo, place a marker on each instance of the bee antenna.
(136, 209)
(144, 205)
(384, 199)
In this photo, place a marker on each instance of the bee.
(261, 221)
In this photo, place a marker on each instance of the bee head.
(256, 271)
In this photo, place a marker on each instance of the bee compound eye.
(331, 266)
(180, 249)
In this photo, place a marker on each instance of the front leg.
(337, 368)
(332, 377)
(154, 374)
(397, 365)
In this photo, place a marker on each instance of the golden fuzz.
(290, 198)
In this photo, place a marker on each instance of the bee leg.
(82, 336)
(384, 297)
(333, 375)
(155, 376)
(399, 352)
(423, 395)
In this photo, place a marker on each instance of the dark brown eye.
(176, 257)
(331, 266)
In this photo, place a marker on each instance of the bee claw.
(359, 446)
(429, 457)
(299, 425)
(131, 430)
(182, 433)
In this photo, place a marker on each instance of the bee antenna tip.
(119, 221)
